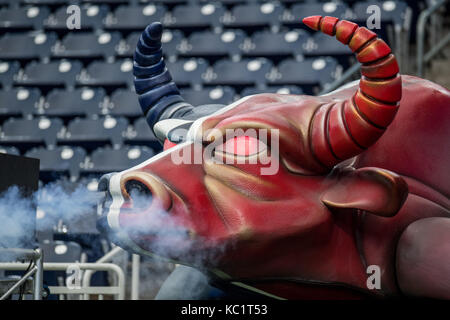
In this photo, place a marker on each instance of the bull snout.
(133, 192)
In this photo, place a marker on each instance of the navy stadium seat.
(124, 103)
(242, 73)
(193, 16)
(114, 74)
(255, 15)
(140, 134)
(49, 75)
(109, 2)
(188, 72)
(70, 104)
(61, 251)
(275, 89)
(87, 45)
(308, 73)
(26, 46)
(223, 2)
(8, 69)
(323, 45)
(18, 102)
(109, 159)
(45, 2)
(277, 44)
(58, 161)
(303, 10)
(218, 95)
(91, 133)
(166, 2)
(134, 17)
(208, 44)
(22, 18)
(91, 18)
(26, 133)
(9, 150)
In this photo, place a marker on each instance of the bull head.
(296, 223)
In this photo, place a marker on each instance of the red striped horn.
(341, 130)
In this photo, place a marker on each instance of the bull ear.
(378, 191)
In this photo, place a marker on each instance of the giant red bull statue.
(357, 183)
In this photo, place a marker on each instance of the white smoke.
(163, 235)
(53, 202)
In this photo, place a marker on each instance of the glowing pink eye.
(242, 146)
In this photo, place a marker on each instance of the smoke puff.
(54, 203)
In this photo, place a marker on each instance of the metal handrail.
(35, 255)
(421, 37)
(106, 258)
(19, 283)
(119, 290)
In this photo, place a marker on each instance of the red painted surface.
(311, 229)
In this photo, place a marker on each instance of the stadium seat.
(218, 95)
(109, 159)
(272, 89)
(224, 2)
(167, 2)
(140, 134)
(58, 161)
(321, 45)
(246, 72)
(207, 44)
(61, 251)
(255, 15)
(277, 44)
(49, 75)
(44, 2)
(302, 10)
(124, 103)
(9, 150)
(8, 69)
(22, 18)
(87, 45)
(105, 74)
(309, 73)
(128, 18)
(188, 72)
(26, 133)
(91, 18)
(91, 133)
(26, 46)
(70, 104)
(110, 2)
(194, 16)
(18, 102)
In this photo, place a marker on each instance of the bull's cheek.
(261, 220)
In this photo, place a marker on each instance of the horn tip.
(312, 22)
(154, 31)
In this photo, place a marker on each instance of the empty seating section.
(67, 97)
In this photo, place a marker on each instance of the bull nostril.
(148, 190)
(139, 193)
